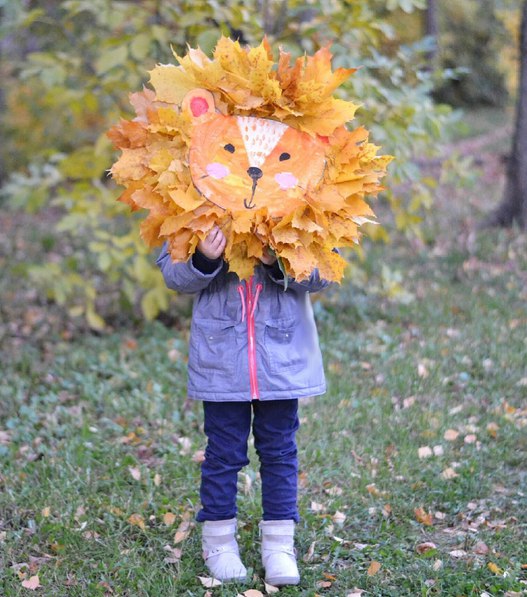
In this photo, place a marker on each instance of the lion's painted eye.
(229, 147)
(284, 156)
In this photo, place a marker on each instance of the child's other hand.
(268, 257)
(214, 244)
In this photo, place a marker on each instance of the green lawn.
(421, 438)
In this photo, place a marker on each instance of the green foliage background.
(71, 65)
(473, 36)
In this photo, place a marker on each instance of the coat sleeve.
(184, 277)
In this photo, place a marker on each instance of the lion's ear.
(198, 103)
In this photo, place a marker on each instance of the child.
(253, 352)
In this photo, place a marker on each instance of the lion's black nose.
(255, 173)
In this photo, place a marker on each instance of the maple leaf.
(171, 83)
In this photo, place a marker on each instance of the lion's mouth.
(249, 204)
(255, 174)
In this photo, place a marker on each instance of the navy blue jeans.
(227, 427)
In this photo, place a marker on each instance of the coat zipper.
(252, 301)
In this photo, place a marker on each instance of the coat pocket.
(282, 345)
(213, 345)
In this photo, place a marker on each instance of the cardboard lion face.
(243, 162)
(257, 148)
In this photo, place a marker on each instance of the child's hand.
(214, 244)
(268, 257)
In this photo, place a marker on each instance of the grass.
(98, 444)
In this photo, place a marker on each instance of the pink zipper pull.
(255, 300)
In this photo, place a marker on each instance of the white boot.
(220, 550)
(278, 552)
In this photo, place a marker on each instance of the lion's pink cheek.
(286, 180)
(217, 170)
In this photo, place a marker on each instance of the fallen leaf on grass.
(494, 568)
(422, 370)
(174, 555)
(324, 584)
(269, 589)
(182, 532)
(457, 553)
(333, 491)
(374, 568)
(449, 473)
(338, 518)
(310, 552)
(372, 490)
(186, 444)
(425, 547)
(424, 452)
(104, 585)
(198, 456)
(137, 520)
(253, 593)
(410, 401)
(492, 430)
(316, 507)
(169, 518)
(135, 472)
(471, 438)
(451, 435)
(32, 584)
(481, 548)
(46, 512)
(355, 593)
(209, 582)
(341, 541)
(157, 479)
(423, 517)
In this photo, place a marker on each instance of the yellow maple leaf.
(494, 568)
(171, 83)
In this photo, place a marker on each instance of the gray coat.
(249, 340)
